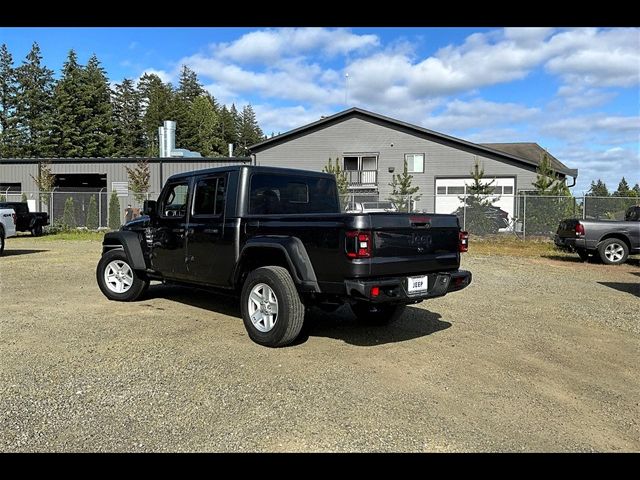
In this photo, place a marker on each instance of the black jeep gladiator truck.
(613, 241)
(278, 238)
(27, 221)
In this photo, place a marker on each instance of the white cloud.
(163, 74)
(596, 128)
(268, 46)
(282, 119)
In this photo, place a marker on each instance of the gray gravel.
(538, 354)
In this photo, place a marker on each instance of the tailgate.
(405, 243)
(567, 228)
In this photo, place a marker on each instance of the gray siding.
(21, 171)
(312, 150)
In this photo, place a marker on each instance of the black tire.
(138, 287)
(613, 251)
(290, 316)
(583, 254)
(373, 314)
(1, 241)
(36, 231)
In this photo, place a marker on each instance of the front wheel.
(272, 311)
(373, 314)
(117, 279)
(613, 251)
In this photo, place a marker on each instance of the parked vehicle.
(7, 225)
(371, 207)
(277, 237)
(613, 241)
(27, 221)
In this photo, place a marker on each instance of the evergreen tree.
(228, 129)
(341, 176)
(69, 216)
(23, 197)
(623, 189)
(157, 102)
(636, 190)
(401, 190)
(97, 125)
(34, 108)
(114, 211)
(92, 214)
(598, 189)
(597, 207)
(249, 131)
(127, 119)
(205, 123)
(9, 138)
(189, 87)
(139, 179)
(477, 214)
(551, 202)
(71, 110)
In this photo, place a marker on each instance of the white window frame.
(412, 164)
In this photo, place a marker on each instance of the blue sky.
(574, 91)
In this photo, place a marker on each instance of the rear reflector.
(463, 242)
(375, 291)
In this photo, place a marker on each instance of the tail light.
(579, 230)
(463, 242)
(358, 244)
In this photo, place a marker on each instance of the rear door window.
(290, 194)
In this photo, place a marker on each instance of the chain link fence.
(520, 215)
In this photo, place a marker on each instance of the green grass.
(513, 247)
(70, 236)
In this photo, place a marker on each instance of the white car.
(7, 225)
(371, 207)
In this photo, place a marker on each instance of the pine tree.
(228, 129)
(205, 122)
(544, 214)
(547, 180)
(127, 119)
(157, 102)
(23, 197)
(249, 131)
(92, 214)
(114, 211)
(34, 107)
(9, 137)
(636, 190)
(69, 216)
(598, 189)
(341, 176)
(71, 110)
(97, 125)
(401, 190)
(139, 179)
(623, 189)
(477, 214)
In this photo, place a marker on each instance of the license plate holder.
(418, 284)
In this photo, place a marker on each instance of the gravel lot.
(538, 354)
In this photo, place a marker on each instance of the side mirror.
(150, 208)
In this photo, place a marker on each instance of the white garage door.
(448, 191)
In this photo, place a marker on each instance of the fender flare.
(295, 254)
(130, 242)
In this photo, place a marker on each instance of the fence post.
(524, 218)
(584, 207)
(464, 213)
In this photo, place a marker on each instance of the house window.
(415, 162)
(508, 190)
(442, 190)
(361, 168)
(10, 188)
(455, 190)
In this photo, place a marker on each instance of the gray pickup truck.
(613, 241)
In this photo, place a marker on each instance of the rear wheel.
(117, 279)
(373, 314)
(272, 311)
(1, 241)
(613, 251)
(36, 231)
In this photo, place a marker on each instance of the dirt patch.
(538, 354)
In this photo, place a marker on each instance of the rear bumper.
(395, 290)
(568, 243)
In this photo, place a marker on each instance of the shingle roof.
(493, 148)
(529, 150)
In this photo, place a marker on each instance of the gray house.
(372, 147)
